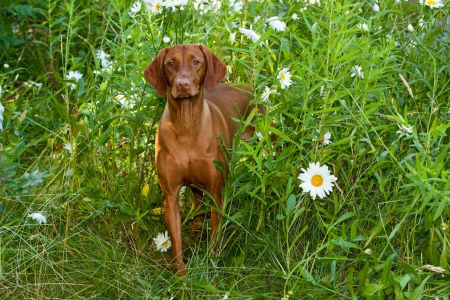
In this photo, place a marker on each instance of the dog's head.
(182, 70)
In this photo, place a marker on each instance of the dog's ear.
(154, 74)
(216, 70)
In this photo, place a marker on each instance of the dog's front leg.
(173, 222)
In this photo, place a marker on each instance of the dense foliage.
(77, 147)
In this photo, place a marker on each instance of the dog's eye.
(195, 62)
(171, 64)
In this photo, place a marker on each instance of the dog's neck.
(187, 113)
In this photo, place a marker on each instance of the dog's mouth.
(184, 94)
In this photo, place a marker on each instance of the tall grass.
(82, 157)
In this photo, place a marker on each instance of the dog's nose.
(182, 84)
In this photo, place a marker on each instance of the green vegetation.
(375, 75)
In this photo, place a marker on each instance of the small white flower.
(232, 37)
(294, 16)
(135, 8)
(2, 109)
(236, 6)
(73, 75)
(226, 296)
(314, 2)
(284, 76)
(432, 3)
(175, 4)
(162, 242)
(326, 138)
(250, 34)
(166, 39)
(40, 218)
(276, 24)
(31, 84)
(69, 172)
(375, 7)
(68, 147)
(357, 71)
(421, 22)
(317, 180)
(404, 131)
(124, 101)
(368, 251)
(267, 92)
(155, 6)
(104, 59)
(6, 66)
(363, 26)
(259, 135)
(410, 28)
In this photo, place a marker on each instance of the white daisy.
(162, 242)
(124, 101)
(357, 71)
(40, 218)
(277, 24)
(432, 3)
(2, 109)
(284, 76)
(155, 6)
(135, 8)
(250, 34)
(317, 180)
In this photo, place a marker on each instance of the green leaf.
(402, 280)
(343, 217)
(394, 231)
(305, 274)
(280, 217)
(418, 292)
(371, 289)
(290, 205)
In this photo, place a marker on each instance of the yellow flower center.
(157, 7)
(165, 244)
(317, 180)
(283, 76)
(431, 2)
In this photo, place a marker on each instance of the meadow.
(368, 96)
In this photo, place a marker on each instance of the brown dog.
(199, 110)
